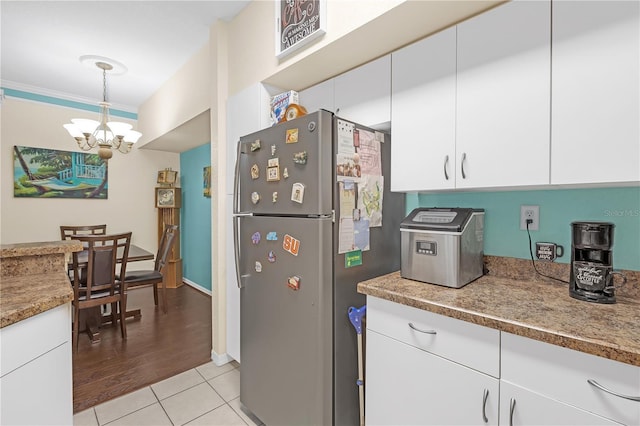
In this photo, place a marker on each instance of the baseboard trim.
(196, 286)
(220, 359)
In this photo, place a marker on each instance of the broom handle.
(360, 378)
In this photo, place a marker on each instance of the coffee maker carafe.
(591, 277)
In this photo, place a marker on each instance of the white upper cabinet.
(363, 95)
(247, 112)
(423, 93)
(503, 97)
(595, 130)
(320, 96)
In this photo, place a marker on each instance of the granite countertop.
(39, 248)
(33, 278)
(28, 295)
(540, 309)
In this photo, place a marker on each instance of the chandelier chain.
(104, 85)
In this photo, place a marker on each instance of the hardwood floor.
(158, 346)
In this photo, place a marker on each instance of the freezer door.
(286, 343)
(287, 168)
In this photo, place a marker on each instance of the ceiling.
(42, 41)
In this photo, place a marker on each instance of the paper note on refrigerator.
(361, 234)
(345, 137)
(347, 193)
(369, 154)
(345, 235)
(370, 190)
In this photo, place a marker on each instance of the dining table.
(94, 319)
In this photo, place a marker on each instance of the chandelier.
(106, 135)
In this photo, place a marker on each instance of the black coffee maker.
(591, 277)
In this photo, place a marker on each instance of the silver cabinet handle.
(485, 395)
(464, 157)
(602, 388)
(512, 407)
(446, 162)
(413, 327)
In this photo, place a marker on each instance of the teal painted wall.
(195, 220)
(558, 208)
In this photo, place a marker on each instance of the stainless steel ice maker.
(443, 246)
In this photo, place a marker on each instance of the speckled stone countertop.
(33, 278)
(529, 305)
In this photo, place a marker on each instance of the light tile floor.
(205, 395)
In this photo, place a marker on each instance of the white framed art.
(298, 22)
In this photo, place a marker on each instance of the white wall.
(132, 179)
(183, 97)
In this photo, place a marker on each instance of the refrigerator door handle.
(236, 180)
(236, 247)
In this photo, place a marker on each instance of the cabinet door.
(595, 92)
(320, 96)
(247, 112)
(407, 386)
(40, 392)
(519, 406)
(363, 94)
(503, 98)
(423, 113)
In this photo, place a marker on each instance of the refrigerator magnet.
(297, 192)
(294, 282)
(272, 236)
(291, 245)
(258, 266)
(285, 173)
(273, 162)
(255, 172)
(274, 196)
(271, 257)
(292, 136)
(255, 238)
(300, 157)
(273, 150)
(255, 197)
(273, 174)
(255, 145)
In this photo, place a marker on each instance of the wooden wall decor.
(169, 214)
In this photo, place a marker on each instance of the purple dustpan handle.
(355, 316)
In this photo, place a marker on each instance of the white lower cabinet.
(416, 372)
(568, 378)
(408, 386)
(36, 374)
(519, 406)
(429, 369)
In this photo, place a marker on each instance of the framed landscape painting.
(48, 173)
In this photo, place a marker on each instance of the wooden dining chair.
(68, 231)
(101, 287)
(155, 276)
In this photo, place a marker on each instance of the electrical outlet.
(530, 212)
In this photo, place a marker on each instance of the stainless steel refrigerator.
(299, 259)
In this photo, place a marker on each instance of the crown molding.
(39, 91)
